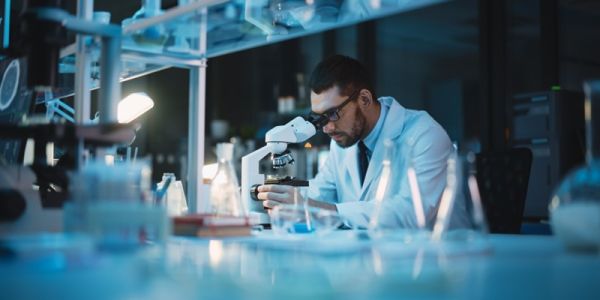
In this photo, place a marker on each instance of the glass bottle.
(575, 205)
(225, 198)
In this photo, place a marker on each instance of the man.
(358, 123)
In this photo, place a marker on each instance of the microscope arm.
(251, 176)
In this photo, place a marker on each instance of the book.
(212, 231)
(212, 220)
(210, 225)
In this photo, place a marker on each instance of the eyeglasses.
(332, 114)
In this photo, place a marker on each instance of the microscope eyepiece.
(317, 120)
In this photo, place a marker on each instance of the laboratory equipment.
(13, 107)
(150, 37)
(224, 187)
(43, 187)
(382, 221)
(41, 42)
(44, 27)
(377, 222)
(10, 84)
(22, 209)
(133, 106)
(182, 32)
(551, 125)
(170, 193)
(575, 206)
(113, 205)
(292, 13)
(299, 217)
(295, 131)
(460, 216)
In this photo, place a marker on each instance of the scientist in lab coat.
(358, 123)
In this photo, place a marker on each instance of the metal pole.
(6, 27)
(110, 85)
(83, 66)
(82, 98)
(197, 108)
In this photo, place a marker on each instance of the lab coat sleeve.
(323, 186)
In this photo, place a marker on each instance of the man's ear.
(365, 97)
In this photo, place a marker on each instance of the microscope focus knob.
(254, 192)
(12, 205)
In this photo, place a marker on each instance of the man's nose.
(329, 127)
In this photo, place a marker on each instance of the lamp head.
(133, 106)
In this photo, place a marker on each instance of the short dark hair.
(347, 73)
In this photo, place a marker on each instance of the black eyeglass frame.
(332, 114)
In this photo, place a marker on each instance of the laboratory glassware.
(225, 198)
(575, 205)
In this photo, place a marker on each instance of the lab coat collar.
(392, 128)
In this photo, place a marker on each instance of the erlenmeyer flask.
(460, 214)
(575, 205)
(225, 196)
(384, 221)
(378, 223)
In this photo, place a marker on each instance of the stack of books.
(210, 225)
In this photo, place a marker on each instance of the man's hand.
(274, 194)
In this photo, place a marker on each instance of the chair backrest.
(503, 178)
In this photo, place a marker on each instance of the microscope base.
(259, 218)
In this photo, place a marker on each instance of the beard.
(347, 139)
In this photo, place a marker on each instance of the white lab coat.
(410, 131)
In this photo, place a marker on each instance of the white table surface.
(334, 267)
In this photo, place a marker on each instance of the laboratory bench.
(268, 266)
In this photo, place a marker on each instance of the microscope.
(277, 139)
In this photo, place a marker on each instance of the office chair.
(503, 178)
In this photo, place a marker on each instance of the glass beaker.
(300, 217)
